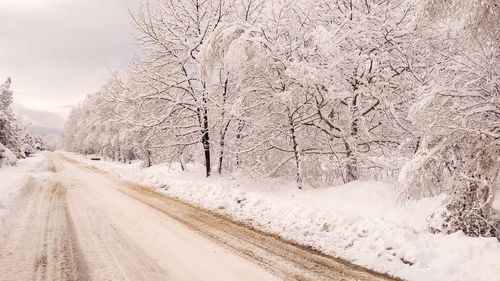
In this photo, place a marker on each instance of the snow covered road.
(74, 222)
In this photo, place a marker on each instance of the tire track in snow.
(40, 243)
(284, 259)
(74, 222)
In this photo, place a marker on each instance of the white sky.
(57, 51)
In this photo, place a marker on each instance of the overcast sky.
(57, 51)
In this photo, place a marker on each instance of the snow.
(372, 200)
(13, 179)
(359, 221)
(7, 157)
(63, 210)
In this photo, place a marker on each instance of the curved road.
(79, 223)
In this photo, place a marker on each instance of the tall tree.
(9, 131)
(171, 34)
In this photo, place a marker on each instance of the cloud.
(57, 50)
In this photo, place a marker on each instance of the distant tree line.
(16, 139)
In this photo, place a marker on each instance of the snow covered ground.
(360, 221)
(12, 179)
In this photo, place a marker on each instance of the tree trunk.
(182, 162)
(222, 144)
(206, 147)
(351, 172)
(350, 168)
(238, 138)
(221, 156)
(223, 130)
(147, 161)
(205, 140)
(296, 152)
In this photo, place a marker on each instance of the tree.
(458, 114)
(314, 90)
(8, 127)
(15, 136)
(352, 66)
(171, 35)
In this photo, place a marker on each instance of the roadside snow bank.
(360, 221)
(13, 179)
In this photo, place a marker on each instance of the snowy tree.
(270, 110)
(171, 34)
(353, 66)
(29, 141)
(458, 115)
(9, 131)
(314, 90)
(15, 136)
(51, 142)
(93, 127)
